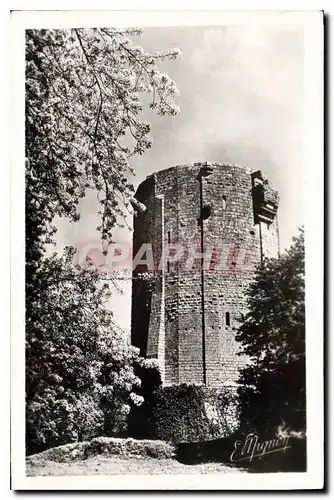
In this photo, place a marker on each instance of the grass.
(108, 465)
(107, 456)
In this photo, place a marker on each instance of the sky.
(241, 101)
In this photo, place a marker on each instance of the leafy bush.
(108, 446)
(79, 365)
(55, 417)
(130, 447)
(64, 453)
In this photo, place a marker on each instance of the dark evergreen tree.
(272, 334)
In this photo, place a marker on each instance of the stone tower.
(221, 220)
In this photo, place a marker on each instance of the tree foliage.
(83, 125)
(84, 121)
(272, 334)
(79, 380)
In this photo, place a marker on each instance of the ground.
(108, 465)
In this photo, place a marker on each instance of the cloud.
(241, 100)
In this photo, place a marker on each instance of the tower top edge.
(203, 164)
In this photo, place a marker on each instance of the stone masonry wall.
(187, 318)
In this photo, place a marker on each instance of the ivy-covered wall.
(186, 413)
